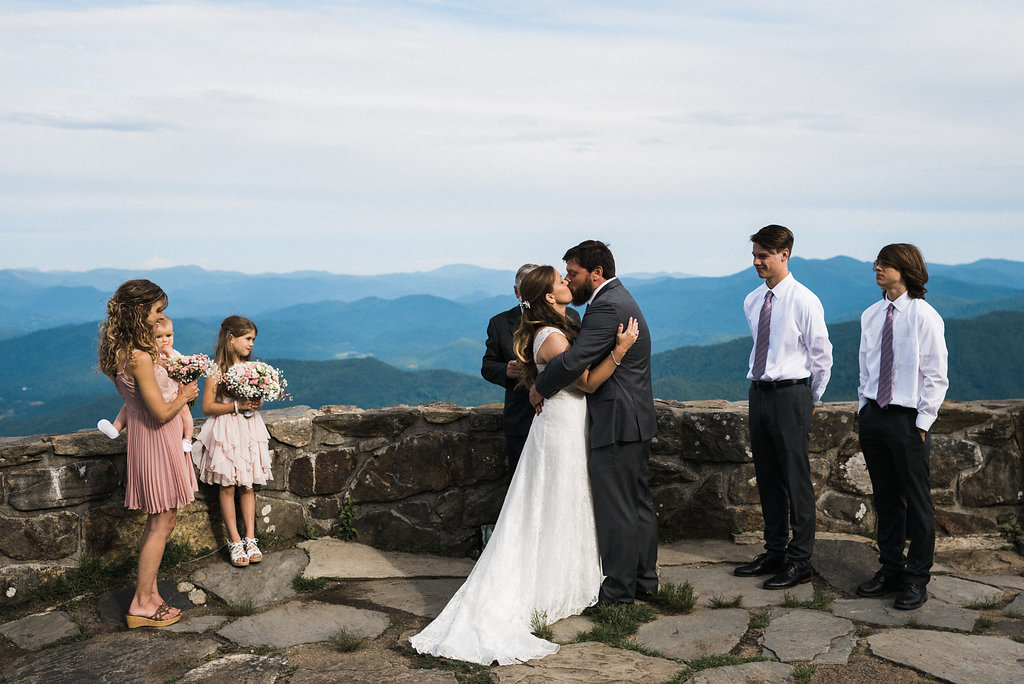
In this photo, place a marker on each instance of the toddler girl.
(233, 449)
(163, 333)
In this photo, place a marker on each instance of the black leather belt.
(896, 408)
(768, 385)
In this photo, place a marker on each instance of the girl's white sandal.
(252, 551)
(238, 556)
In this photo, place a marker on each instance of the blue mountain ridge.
(53, 367)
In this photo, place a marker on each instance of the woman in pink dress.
(160, 476)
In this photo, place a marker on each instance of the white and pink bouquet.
(254, 380)
(186, 369)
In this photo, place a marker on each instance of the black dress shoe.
(913, 596)
(790, 576)
(762, 565)
(644, 595)
(879, 585)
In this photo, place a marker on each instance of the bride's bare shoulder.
(553, 344)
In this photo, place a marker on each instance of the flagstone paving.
(1015, 608)
(962, 592)
(880, 611)
(304, 622)
(759, 673)
(692, 636)
(422, 597)
(798, 635)
(953, 657)
(269, 580)
(590, 662)
(338, 559)
(35, 631)
(384, 598)
(566, 630)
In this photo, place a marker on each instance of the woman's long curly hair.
(538, 313)
(232, 326)
(125, 328)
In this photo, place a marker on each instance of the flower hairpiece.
(523, 303)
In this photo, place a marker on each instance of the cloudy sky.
(389, 135)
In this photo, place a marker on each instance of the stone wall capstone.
(425, 478)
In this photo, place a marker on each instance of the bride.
(541, 562)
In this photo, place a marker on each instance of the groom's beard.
(582, 292)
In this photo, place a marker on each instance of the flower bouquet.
(254, 380)
(186, 369)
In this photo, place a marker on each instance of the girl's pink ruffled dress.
(233, 450)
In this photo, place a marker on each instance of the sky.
(392, 136)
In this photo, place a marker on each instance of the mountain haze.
(421, 346)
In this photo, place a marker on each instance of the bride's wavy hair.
(125, 328)
(538, 313)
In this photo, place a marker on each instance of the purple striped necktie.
(764, 329)
(885, 366)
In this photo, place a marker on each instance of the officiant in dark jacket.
(501, 367)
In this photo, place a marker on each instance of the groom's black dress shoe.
(913, 596)
(790, 576)
(644, 595)
(762, 565)
(879, 585)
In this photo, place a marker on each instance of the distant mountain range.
(56, 389)
(434, 343)
(412, 318)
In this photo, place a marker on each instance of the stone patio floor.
(971, 629)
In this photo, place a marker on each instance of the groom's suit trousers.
(627, 529)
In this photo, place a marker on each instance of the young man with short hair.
(790, 365)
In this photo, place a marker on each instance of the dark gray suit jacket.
(622, 409)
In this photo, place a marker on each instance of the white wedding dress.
(542, 557)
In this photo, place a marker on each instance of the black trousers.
(899, 466)
(627, 529)
(780, 425)
(513, 450)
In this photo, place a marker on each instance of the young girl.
(160, 476)
(163, 333)
(233, 449)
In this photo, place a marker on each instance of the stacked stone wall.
(426, 477)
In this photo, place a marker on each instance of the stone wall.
(426, 477)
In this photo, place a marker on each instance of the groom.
(622, 423)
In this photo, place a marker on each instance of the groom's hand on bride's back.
(536, 399)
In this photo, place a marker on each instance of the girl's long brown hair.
(125, 328)
(235, 326)
(539, 314)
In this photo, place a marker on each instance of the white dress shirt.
(598, 289)
(919, 375)
(798, 344)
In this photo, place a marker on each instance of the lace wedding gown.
(542, 557)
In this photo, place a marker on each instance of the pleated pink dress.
(233, 450)
(160, 474)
